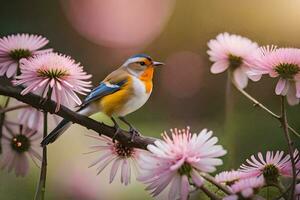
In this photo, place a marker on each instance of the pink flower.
(234, 52)
(229, 177)
(177, 160)
(15, 47)
(19, 143)
(54, 73)
(285, 64)
(117, 154)
(271, 167)
(245, 188)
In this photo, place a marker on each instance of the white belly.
(139, 98)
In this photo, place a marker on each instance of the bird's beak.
(155, 64)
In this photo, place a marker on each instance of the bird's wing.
(109, 85)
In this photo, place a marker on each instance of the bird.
(122, 92)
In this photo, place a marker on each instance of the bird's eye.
(142, 63)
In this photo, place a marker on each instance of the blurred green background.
(102, 34)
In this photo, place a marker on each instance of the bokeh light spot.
(182, 74)
(119, 24)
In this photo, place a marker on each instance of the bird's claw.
(117, 131)
(43, 101)
(134, 132)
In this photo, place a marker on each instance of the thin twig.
(293, 131)
(211, 179)
(210, 194)
(40, 193)
(289, 143)
(5, 110)
(256, 103)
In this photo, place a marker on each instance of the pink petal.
(114, 169)
(175, 187)
(103, 157)
(12, 69)
(247, 192)
(280, 86)
(219, 67)
(297, 89)
(197, 179)
(125, 176)
(178, 164)
(254, 77)
(104, 164)
(291, 96)
(22, 165)
(184, 188)
(240, 77)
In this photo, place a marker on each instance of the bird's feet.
(117, 131)
(43, 101)
(134, 132)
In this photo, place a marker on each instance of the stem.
(2, 118)
(40, 193)
(229, 129)
(289, 143)
(213, 181)
(210, 194)
(228, 98)
(4, 110)
(256, 103)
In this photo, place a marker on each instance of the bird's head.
(141, 65)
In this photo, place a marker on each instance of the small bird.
(122, 92)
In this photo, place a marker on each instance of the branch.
(7, 89)
(289, 143)
(263, 107)
(5, 110)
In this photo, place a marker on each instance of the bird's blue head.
(141, 63)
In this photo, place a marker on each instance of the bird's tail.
(64, 125)
(58, 131)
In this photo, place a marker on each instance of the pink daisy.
(15, 47)
(178, 160)
(229, 177)
(285, 64)
(19, 143)
(271, 167)
(119, 155)
(233, 52)
(246, 188)
(54, 73)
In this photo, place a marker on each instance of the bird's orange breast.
(147, 77)
(114, 102)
